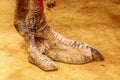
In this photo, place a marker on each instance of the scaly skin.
(65, 50)
(46, 45)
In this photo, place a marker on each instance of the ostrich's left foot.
(37, 57)
(65, 50)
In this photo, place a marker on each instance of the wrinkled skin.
(46, 45)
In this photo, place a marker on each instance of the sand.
(96, 22)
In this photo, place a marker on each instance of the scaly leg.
(60, 48)
(21, 11)
(24, 14)
(65, 50)
(42, 40)
(36, 56)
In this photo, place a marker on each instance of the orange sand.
(96, 22)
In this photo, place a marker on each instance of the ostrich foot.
(37, 57)
(61, 49)
(44, 44)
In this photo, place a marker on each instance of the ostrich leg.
(45, 44)
(25, 25)
(63, 49)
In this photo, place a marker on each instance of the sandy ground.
(96, 22)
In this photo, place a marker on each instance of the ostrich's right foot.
(65, 50)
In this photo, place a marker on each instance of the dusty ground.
(96, 22)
